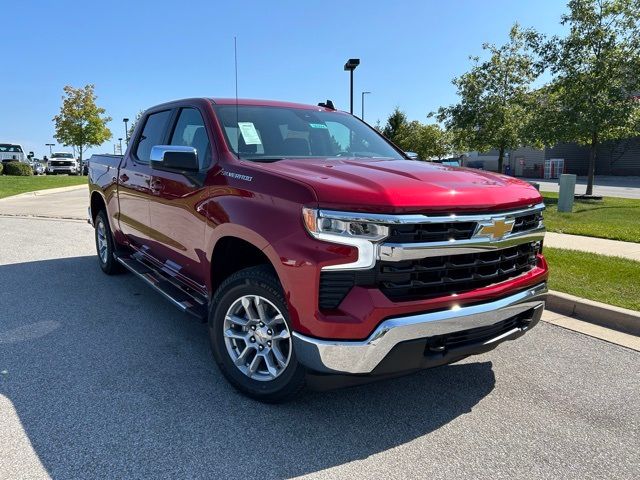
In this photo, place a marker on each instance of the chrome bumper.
(362, 357)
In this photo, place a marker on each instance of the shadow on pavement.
(110, 381)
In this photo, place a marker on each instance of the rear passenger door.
(134, 183)
(178, 228)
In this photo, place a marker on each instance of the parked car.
(62, 162)
(312, 246)
(38, 167)
(12, 152)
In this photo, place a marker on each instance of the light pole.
(363, 94)
(120, 140)
(350, 66)
(126, 130)
(50, 145)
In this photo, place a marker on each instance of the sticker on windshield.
(249, 133)
(317, 125)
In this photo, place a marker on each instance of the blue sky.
(140, 53)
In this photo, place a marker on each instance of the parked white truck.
(12, 152)
(62, 162)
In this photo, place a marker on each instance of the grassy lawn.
(611, 280)
(10, 185)
(613, 218)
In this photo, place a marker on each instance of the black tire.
(108, 263)
(260, 281)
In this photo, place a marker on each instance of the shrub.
(18, 168)
(1, 167)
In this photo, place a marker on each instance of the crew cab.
(316, 250)
(62, 162)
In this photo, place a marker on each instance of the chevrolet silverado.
(313, 247)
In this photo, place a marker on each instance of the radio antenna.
(235, 57)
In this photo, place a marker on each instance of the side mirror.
(174, 157)
(31, 155)
(412, 155)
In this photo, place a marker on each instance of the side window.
(191, 132)
(152, 134)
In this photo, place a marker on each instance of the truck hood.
(404, 186)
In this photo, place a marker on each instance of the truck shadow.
(107, 378)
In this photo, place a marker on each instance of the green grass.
(10, 185)
(613, 218)
(611, 280)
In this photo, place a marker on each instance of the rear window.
(7, 147)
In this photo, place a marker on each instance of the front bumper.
(424, 337)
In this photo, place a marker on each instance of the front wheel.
(251, 336)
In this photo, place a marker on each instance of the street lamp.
(126, 130)
(50, 145)
(363, 94)
(350, 66)
(120, 140)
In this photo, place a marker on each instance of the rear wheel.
(251, 336)
(105, 245)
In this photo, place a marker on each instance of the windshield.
(6, 147)
(62, 155)
(272, 133)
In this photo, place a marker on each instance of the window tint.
(152, 134)
(190, 132)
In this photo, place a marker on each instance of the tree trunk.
(501, 160)
(593, 153)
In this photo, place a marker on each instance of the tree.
(592, 96)
(395, 123)
(427, 141)
(81, 123)
(495, 97)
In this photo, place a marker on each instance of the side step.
(170, 289)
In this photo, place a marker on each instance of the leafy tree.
(81, 123)
(395, 123)
(495, 102)
(427, 141)
(596, 75)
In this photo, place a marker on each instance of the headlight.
(346, 229)
(325, 222)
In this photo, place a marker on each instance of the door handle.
(124, 178)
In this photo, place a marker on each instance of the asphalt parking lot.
(101, 378)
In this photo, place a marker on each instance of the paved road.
(624, 187)
(101, 378)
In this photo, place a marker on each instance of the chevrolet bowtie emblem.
(495, 228)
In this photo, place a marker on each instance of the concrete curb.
(609, 316)
(46, 191)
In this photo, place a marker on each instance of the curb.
(609, 316)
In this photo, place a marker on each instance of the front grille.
(527, 222)
(477, 335)
(431, 277)
(431, 232)
(60, 164)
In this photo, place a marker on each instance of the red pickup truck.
(314, 248)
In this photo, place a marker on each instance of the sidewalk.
(64, 202)
(601, 246)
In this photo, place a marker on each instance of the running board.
(170, 289)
